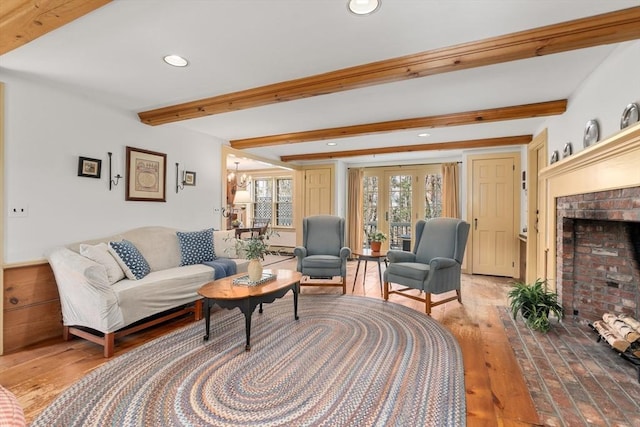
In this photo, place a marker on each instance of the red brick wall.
(598, 268)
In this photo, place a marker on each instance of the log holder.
(626, 355)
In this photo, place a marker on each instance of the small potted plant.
(254, 249)
(235, 223)
(375, 240)
(535, 303)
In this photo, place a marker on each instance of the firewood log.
(622, 329)
(610, 336)
(630, 321)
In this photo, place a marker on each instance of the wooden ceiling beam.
(613, 27)
(525, 111)
(22, 21)
(453, 145)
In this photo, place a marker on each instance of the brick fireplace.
(598, 253)
(589, 216)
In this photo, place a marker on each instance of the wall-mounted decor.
(630, 115)
(89, 167)
(591, 133)
(146, 175)
(568, 150)
(189, 178)
(555, 157)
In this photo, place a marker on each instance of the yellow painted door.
(540, 247)
(493, 232)
(318, 190)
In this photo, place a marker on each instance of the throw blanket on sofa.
(222, 267)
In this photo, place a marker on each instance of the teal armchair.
(323, 256)
(434, 266)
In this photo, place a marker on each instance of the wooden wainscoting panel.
(31, 306)
(32, 324)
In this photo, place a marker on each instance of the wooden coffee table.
(227, 295)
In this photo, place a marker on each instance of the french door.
(395, 198)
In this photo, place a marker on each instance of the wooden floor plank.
(512, 400)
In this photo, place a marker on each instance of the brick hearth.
(597, 253)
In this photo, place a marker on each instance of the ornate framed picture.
(189, 178)
(89, 168)
(146, 175)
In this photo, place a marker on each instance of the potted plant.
(375, 240)
(535, 303)
(254, 249)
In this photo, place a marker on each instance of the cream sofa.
(99, 305)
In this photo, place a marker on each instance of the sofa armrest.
(86, 297)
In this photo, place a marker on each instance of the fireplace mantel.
(610, 164)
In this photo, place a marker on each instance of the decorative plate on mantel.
(630, 115)
(591, 133)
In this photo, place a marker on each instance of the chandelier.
(238, 180)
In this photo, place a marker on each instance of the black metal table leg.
(247, 326)
(356, 276)
(296, 291)
(380, 275)
(207, 318)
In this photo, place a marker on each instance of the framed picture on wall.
(146, 175)
(189, 178)
(88, 167)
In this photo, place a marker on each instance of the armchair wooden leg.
(427, 303)
(386, 291)
(344, 285)
(459, 295)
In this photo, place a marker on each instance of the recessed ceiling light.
(331, 144)
(176, 61)
(424, 135)
(363, 7)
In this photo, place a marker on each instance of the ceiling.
(114, 55)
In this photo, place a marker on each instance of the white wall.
(47, 128)
(602, 96)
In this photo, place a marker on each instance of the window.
(396, 197)
(273, 201)
(432, 195)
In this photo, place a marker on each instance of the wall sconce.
(179, 184)
(112, 183)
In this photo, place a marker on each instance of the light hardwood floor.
(496, 392)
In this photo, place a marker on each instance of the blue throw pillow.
(130, 259)
(196, 247)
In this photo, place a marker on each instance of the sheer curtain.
(355, 226)
(450, 190)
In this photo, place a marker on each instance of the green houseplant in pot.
(254, 249)
(535, 303)
(375, 240)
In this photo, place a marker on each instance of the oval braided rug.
(348, 361)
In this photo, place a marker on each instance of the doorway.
(494, 201)
(396, 197)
